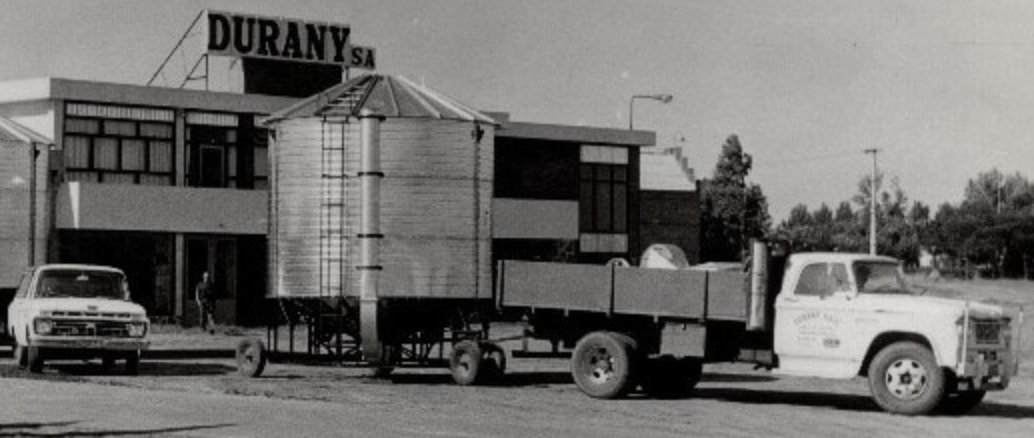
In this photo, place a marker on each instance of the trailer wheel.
(465, 362)
(668, 377)
(493, 361)
(34, 359)
(603, 363)
(251, 357)
(904, 378)
(960, 403)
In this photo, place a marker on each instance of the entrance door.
(218, 257)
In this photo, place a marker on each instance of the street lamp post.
(663, 98)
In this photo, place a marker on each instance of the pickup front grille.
(110, 329)
(987, 332)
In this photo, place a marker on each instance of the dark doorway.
(218, 257)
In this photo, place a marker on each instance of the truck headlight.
(43, 326)
(137, 329)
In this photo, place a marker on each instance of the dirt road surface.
(191, 398)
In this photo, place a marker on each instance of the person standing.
(204, 293)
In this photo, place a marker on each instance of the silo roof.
(14, 132)
(385, 95)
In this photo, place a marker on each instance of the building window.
(225, 150)
(603, 199)
(118, 145)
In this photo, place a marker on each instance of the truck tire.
(34, 359)
(493, 362)
(668, 377)
(465, 362)
(603, 364)
(904, 378)
(251, 357)
(960, 403)
(133, 363)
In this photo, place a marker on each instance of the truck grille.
(987, 332)
(90, 328)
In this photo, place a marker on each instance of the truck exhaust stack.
(756, 311)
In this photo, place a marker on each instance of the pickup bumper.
(81, 343)
(988, 370)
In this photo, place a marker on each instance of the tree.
(732, 210)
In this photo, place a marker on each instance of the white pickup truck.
(76, 311)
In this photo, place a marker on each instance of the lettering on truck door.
(814, 321)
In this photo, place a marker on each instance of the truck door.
(814, 322)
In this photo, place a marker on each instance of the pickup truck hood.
(928, 304)
(86, 305)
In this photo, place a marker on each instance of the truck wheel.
(904, 378)
(34, 359)
(668, 377)
(603, 364)
(133, 363)
(21, 358)
(251, 357)
(493, 361)
(465, 362)
(961, 403)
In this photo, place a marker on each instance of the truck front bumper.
(80, 343)
(988, 370)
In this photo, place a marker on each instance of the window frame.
(99, 173)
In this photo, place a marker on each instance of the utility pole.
(872, 202)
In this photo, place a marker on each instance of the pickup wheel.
(904, 378)
(133, 363)
(960, 403)
(603, 364)
(34, 359)
(251, 357)
(21, 354)
(466, 362)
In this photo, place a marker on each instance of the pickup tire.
(960, 403)
(21, 355)
(904, 378)
(465, 362)
(603, 364)
(34, 359)
(133, 363)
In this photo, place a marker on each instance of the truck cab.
(76, 311)
(844, 315)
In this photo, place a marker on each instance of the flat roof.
(127, 94)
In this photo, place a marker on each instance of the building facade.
(170, 183)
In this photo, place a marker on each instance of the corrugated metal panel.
(211, 119)
(438, 183)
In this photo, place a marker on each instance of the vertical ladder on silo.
(333, 215)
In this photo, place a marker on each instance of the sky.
(943, 88)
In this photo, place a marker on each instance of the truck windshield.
(879, 277)
(80, 284)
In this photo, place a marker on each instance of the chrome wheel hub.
(906, 379)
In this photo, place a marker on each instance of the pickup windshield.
(80, 284)
(879, 277)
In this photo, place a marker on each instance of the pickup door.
(815, 323)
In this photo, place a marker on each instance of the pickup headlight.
(137, 329)
(43, 326)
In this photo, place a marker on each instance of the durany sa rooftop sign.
(256, 36)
